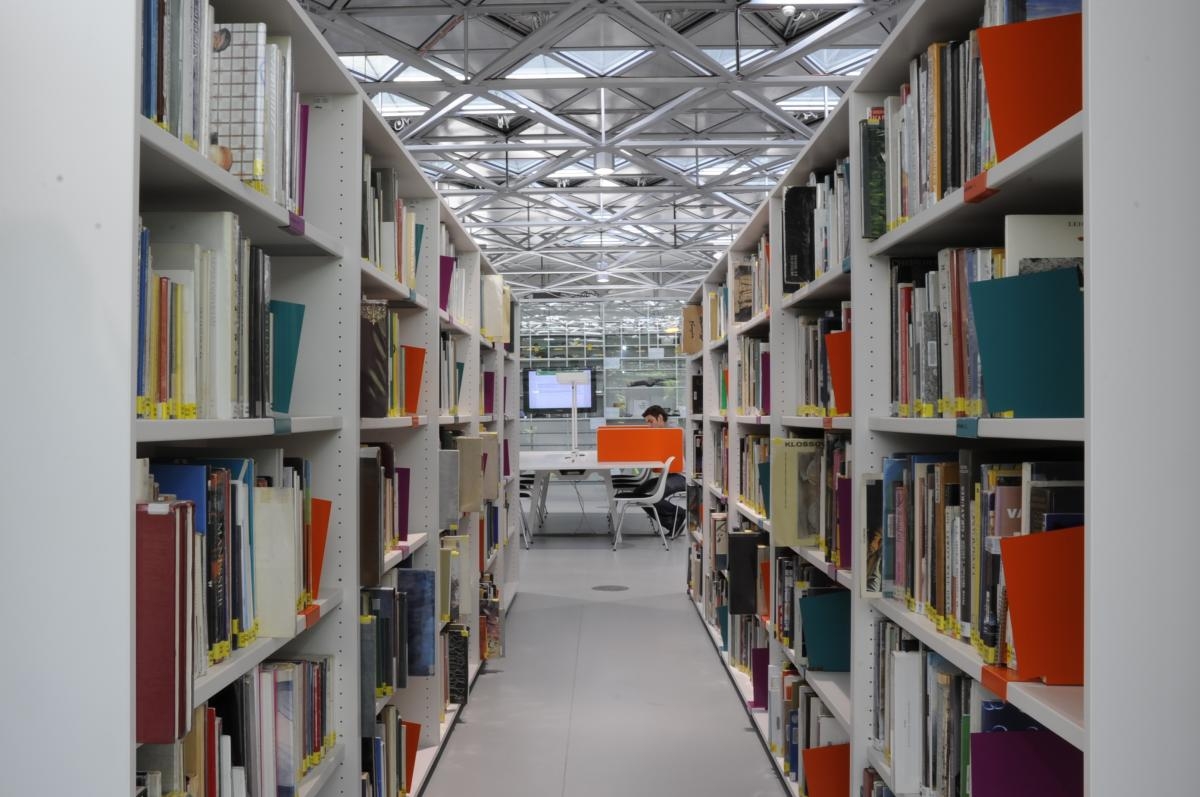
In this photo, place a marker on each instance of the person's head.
(655, 415)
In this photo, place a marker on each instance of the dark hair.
(654, 409)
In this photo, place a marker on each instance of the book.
(418, 586)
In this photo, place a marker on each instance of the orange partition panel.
(633, 443)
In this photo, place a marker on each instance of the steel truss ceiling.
(697, 107)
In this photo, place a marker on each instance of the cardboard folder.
(1030, 330)
(1034, 76)
(827, 770)
(837, 352)
(1044, 574)
(1028, 763)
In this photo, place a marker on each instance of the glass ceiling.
(604, 62)
(543, 66)
(841, 60)
(397, 105)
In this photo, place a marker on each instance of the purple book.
(507, 469)
(1029, 763)
(301, 157)
(489, 392)
(447, 270)
(504, 397)
(845, 496)
(765, 375)
(759, 659)
(403, 476)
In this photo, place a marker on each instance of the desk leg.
(606, 475)
(543, 484)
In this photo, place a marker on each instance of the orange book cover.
(321, 511)
(837, 351)
(414, 370)
(827, 770)
(1034, 77)
(1044, 574)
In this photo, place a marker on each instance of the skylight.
(820, 99)
(483, 107)
(841, 60)
(604, 62)
(397, 105)
(369, 67)
(729, 58)
(543, 66)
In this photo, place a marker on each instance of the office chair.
(624, 502)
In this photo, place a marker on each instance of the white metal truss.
(511, 108)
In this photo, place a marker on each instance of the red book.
(163, 596)
(164, 340)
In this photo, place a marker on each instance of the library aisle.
(603, 691)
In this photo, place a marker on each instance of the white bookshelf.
(1064, 170)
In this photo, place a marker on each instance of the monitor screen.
(545, 393)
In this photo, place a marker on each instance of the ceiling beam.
(758, 142)
(620, 82)
(384, 44)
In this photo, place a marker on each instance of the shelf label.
(827, 422)
(976, 188)
(295, 224)
(282, 425)
(966, 427)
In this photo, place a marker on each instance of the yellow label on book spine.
(927, 410)
(144, 407)
(903, 412)
(1005, 414)
(188, 412)
(975, 407)
(960, 404)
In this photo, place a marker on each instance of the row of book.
(810, 486)
(939, 528)
(955, 349)
(391, 372)
(816, 227)
(229, 91)
(944, 733)
(397, 635)
(491, 618)
(391, 236)
(798, 722)
(718, 312)
(211, 342)
(822, 363)
(451, 372)
(228, 549)
(751, 281)
(755, 472)
(720, 476)
(754, 377)
(259, 735)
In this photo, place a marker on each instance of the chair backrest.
(661, 488)
(640, 443)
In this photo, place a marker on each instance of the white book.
(774, 709)
(225, 764)
(272, 116)
(492, 322)
(266, 713)
(948, 362)
(906, 713)
(829, 730)
(218, 232)
(1040, 237)
(278, 540)
(284, 127)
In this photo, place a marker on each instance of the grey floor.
(603, 692)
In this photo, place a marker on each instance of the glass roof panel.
(818, 98)
(369, 67)
(728, 58)
(483, 107)
(543, 66)
(604, 62)
(410, 74)
(841, 60)
(397, 105)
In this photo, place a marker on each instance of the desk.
(544, 463)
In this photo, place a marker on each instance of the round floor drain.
(610, 587)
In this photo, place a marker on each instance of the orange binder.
(321, 510)
(640, 443)
(1044, 574)
(414, 369)
(412, 736)
(827, 770)
(1034, 77)
(837, 351)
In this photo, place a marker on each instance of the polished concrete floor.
(603, 692)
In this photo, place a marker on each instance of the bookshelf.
(1065, 169)
(82, 218)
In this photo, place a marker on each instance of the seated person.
(671, 516)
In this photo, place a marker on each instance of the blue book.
(418, 587)
(143, 308)
(1030, 330)
(187, 483)
(893, 475)
(826, 626)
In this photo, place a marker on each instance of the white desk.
(544, 463)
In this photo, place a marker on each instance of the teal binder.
(287, 320)
(825, 620)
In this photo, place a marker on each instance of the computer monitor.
(543, 391)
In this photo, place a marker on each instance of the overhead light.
(604, 164)
(602, 277)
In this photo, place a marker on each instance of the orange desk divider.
(321, 510)
(837, 351)
(414, 371)
(640, 443)
(1044, 574)
(1034, 77)
(827, 770)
